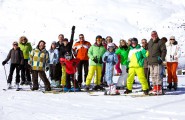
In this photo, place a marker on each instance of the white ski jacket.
(173, 52)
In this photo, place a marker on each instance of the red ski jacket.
(71, 65)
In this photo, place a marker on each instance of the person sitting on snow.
(110, 58)
(71, 66)
(136, 60)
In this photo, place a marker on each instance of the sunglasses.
(15, 44)
(172, 39)
(81, 37)
(99, 39)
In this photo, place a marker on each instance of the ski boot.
(169, 86)
(9, 86)
(175, 86)
(128, 91)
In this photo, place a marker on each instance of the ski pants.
(43, 77)
(171, 69)
(147, 75)
(58, 72)
(123, 78)
(63, 78)
(103, 73)
(83, 64)
(141, 76)
(54, 74)
(25, 72)
(109, 73)
(91, 73)
(117, 66)
(155, 73)
(12, 68)
(70, 78)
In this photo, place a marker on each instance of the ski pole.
(5, 73)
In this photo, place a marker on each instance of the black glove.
(3, 63)
(105, 58)
(73, 29)
(47, 68)
(127, 70)
(113, 63)
(100, 60)
(95, 60)
(159, 60)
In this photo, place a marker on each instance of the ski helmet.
(111, 45)
(134, 41)
(68, 55)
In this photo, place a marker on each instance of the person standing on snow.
(136, 58)
(117, 66)
(81, 52)
(173, 53)
(54, 59)
(123, 51)
(17, 61)
(110, 58)
(146, 68)
(39, 61)
(26, 48)
(59, 66)
(157, 54)
(64, 48)
(95, 54)
(71, 65)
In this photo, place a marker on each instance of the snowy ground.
(45, 19)
(19, 105)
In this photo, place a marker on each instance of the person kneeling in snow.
(110, 58)
(71, 65)
(136, 60)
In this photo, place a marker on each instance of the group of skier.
(64, 60)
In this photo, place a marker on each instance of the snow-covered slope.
(45, 19)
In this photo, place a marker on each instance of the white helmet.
(111, 45)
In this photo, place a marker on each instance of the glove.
(105, 58)
(159, 60)
(95, 60)
(100, 60)
(73, 29)
(47, 68)
(113, 63)
(127, 70)
(3, 63)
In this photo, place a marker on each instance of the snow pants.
(92, 70)
(155, 73)
(70, 78)
(63, 78)
(83, 64)
(117, 66)
(141, 76)
(43, 77)
(25, 72)
(109, 73)
(171, 69)
(12, 68)
(123, 78)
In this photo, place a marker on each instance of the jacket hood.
(137, 47)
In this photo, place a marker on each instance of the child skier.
(71, 65)
(54, 59)
(17, 61)
(110, 58)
